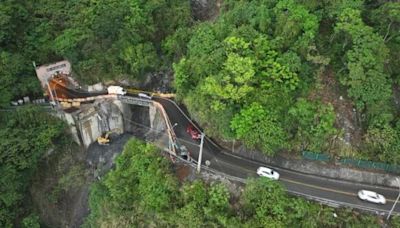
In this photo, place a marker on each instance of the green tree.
(383, 142)
(219, 197)
(248, 69)
(295, 26)
(10, 10)
(245, 57)
(115, 39)
(174, 46)
(139, 164)
(313, 124)
(364, 72)
(141, 184)
(271, 72)
(386, 20)
(257, 127)
(265, 203)
(395, 221)
(203, 205)
(218, 204)
(32, 221)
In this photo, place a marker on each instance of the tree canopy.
(274, 55)
(26, 135)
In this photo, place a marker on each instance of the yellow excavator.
(105, 140)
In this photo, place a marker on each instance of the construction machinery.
(105, 140)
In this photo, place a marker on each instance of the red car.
(193, 132)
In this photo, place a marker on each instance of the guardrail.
(353, 162)
(163, 95)
(86, 98)
(171, 133)
(370, 165)
(321, 200)
(134, 100)
(315, 156)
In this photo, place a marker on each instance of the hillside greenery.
(26, 136)
(143, 191)
(257, 73)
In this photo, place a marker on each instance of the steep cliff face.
(205, 9)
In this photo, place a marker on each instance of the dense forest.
(276, 75)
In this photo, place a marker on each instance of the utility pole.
(47, 83)
(55, 93)
(395, 202)
(200, 153)
(170, 142)
(51, 93)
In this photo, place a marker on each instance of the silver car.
(144, 95)
(371, 196)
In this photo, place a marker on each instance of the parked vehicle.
(193, 132)
(371, 196)
(144, 95)
(267, 172)
(105, 139)
(116, 90)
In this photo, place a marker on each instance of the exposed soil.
(204, 10)
(330, 92)
(182, 171)
(188, 173)
(100, 158)
(61, 203)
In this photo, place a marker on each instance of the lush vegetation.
(142, 191)
(254, 73)
(104, 39)
(26, 135)
(257, 73)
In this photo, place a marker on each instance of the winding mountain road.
(332, 191)
(327, 190)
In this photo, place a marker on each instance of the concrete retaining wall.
(89, 126)
(91, 121)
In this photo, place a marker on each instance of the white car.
(371, 196)
(267, 172)
(144, 95)
(14, 103)
(116, 90)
